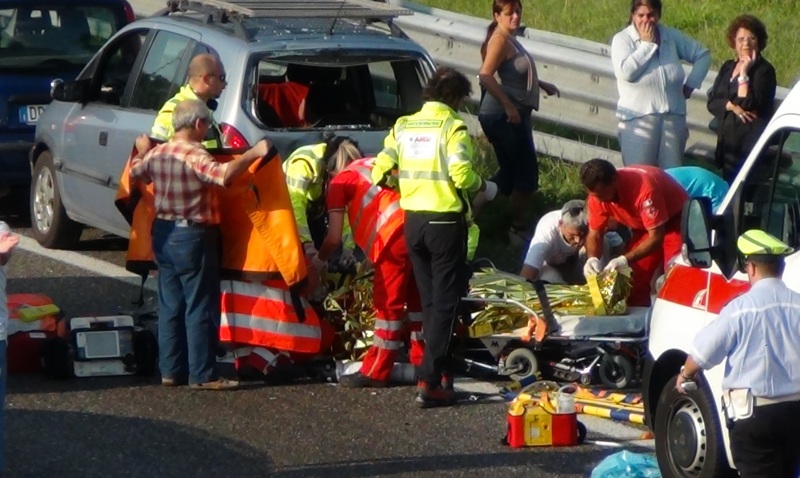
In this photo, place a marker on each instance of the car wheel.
(688, 434)
(616, 371)
(525, 360)
(49, 221)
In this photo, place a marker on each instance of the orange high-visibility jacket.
(374, 212)
(258, 230)
(260, 242)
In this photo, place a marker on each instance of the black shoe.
(431, 397)
(359, 380)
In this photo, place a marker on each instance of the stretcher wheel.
(525, 360)
(616, 371)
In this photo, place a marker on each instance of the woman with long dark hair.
(505, 111)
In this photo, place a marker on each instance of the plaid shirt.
(183, 175)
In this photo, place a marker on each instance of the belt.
(186, 222)
(763, 401)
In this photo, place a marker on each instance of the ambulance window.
(771, 194)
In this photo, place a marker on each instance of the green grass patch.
(707, 21)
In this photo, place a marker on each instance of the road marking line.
(95, 266)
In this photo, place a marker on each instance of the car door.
(105, 129)
(86, 183)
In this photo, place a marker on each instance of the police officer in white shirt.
(759, 334)
(554, 254)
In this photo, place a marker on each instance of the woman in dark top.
(505, 112)
(743, 96)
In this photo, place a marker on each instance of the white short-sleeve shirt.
(549, 247)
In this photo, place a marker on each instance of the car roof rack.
(234, 11)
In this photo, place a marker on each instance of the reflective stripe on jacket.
(163, 128)
(433, 153)
(305, 179)
(262, 314)
(374, 212)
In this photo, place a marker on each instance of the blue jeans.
(188, 300)
(3, 375)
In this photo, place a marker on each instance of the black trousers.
(768, 443)
(437, 246)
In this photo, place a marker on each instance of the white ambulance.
(690, 431)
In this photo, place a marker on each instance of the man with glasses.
(206, 81)
(555, 254)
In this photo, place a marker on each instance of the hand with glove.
(318, 263)
(616, 264)
(490, 190)
(347, 258)
(592, 267)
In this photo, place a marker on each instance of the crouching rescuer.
(759, 335)
(377, 219)
(432, 152)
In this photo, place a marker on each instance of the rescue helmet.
(756, 242)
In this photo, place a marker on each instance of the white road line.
(95, 266)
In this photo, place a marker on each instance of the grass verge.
(706, 21)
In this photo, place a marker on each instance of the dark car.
(41, 40)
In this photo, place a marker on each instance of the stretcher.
(573, 348)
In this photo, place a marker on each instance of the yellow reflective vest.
(305, 180)
(433, 153)
(163, 129)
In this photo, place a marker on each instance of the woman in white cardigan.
(653, 88)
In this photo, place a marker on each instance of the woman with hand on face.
(647, 58)
(505, 112)
(743, 96)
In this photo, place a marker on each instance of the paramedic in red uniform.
(376, 219)
(649, 202)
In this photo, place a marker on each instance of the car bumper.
(15, 166)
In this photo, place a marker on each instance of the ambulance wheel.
(526, 360)
(145, 349)
(688, 434)
(616, 371)
(56, 361)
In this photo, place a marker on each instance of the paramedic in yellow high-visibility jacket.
(306, 175)
(433, 153)
(206, 82)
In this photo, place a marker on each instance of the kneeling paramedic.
(759, 335)
(433, 153)
(306, 177)
(377, 220)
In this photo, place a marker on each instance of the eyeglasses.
(574, 211)
(223, 78)
(750, 39)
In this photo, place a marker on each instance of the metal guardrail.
(580, 68)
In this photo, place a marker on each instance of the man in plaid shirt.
(185, 233)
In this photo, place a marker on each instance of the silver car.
(292, 75)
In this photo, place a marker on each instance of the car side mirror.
(696, 227)
(69, 91)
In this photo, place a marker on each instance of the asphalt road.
(131, 426)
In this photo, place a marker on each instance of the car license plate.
(30, 114)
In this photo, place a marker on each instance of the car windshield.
(53, 37)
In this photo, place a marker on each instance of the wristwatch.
(743, 79)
